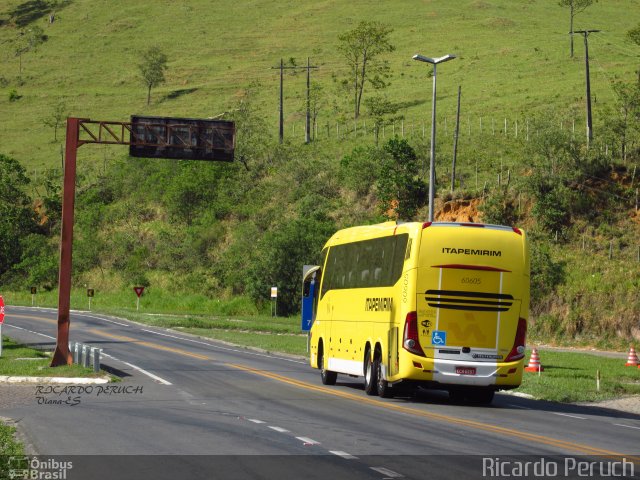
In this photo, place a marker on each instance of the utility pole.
(281, 104)
(307, 137)
(586, 33)
(282, 68)
(455, 143)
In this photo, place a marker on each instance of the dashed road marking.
(386, 472)
(279, 429)
(308, 441)
(627, 426)
(345, 455)
(255, 420)
(518, 406)
(571, 416)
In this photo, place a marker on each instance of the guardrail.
(86, 355)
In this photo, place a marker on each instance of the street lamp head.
(433, 61)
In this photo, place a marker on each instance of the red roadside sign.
(138, 291)
(1, 309)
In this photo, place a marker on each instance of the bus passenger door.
(310, 290)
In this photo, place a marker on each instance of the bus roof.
(364, 232)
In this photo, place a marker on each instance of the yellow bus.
(436, 305)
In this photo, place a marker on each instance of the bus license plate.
(466, 370)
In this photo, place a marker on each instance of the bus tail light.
(410, 339)
(517, 352)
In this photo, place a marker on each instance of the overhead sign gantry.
(149, 137)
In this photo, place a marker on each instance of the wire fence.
(522, 129)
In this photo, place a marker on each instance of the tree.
(628, 107)
(316, 103)
(16, 217)
(362, 47)
(634, 36)
(252, 133)
(575, 7)
(281, 254)
(382, 111)
(400, 191)
(152, 68)
(56, 117)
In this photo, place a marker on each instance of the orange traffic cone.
(632, 358)
(534, 362)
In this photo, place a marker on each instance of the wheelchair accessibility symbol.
(438, 337)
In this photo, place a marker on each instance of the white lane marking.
(308, 441)
(255, 421)
(567, 415)
(518, 406)
(255, 354)
(141, 370)
(78, 314)
(388, 473)
(235, 350)
(31, 331)
(345, 455)
(627, 426)
(279, 429)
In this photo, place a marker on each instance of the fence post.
(476, 175)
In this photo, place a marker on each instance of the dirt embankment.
(459, 211)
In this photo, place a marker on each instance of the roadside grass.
(124, 302)
(8, 447)
(571, 377)
(19, 360)
(271, 342)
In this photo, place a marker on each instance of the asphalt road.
(194, 408)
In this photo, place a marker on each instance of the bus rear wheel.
(481, 396)
(383, 387)
(328, 377)
(370, 375)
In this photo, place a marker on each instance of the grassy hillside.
(513, 59)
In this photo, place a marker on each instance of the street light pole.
(432, 163)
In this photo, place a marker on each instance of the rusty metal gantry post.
(181, 135)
